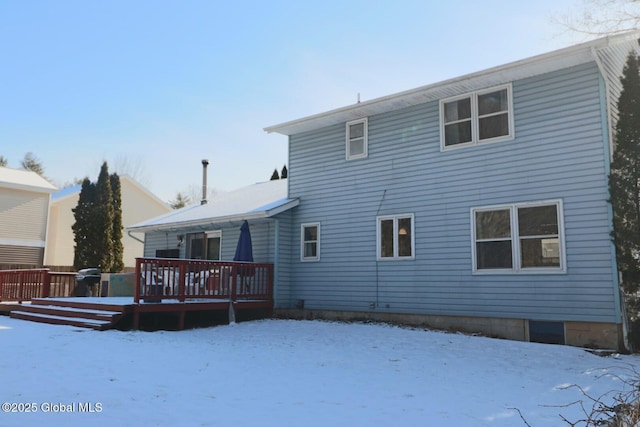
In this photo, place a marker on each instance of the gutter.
(134, 237)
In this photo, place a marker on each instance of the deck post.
(46, 284)
(232, 313)
(181, 316)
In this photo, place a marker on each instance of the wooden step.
(84, 303)
(70, 311)
(73, 312)
(99, 325)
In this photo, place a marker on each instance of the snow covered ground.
(291, 373)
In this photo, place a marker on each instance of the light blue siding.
(558, 153)
(262, 239)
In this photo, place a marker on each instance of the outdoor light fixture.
(180, 240)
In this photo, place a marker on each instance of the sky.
(154, 87)
(297, 373)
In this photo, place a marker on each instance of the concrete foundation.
(579, 334)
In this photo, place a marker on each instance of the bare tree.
(3, 161)
(603, 17)
(133, 167)
(194, 192)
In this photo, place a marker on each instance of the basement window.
(546, 332)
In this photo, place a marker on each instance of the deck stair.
(73, 313)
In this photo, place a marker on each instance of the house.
(211, 230)
(24, 209)
(138, 204)
(477, 204)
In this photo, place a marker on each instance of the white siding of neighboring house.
(23, 226)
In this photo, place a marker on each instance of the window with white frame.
(519, 237)
(214, 245)
(395, 237)
(356, 144)
(310, 242)
(475, 118)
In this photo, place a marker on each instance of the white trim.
(19, 242)
(475, 118)
(212, 235)
(365, 140)
(516, 267)
(302, 242)
(395, 219)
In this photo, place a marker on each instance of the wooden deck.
(169, 294)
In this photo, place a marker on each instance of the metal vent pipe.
(205, 163)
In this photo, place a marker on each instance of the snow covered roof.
(257, 201)
(540, 64)
(24, 180)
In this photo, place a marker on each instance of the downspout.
(134, 237)
(605, 115)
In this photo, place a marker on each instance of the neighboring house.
(138, 204)
(24, 209)
(211, 230)
(478, 203)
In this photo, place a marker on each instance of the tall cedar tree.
(624, 180)
(104, 216)
(275, 175)
(85, 227)
(284, 172)
(116, 235)
(624, 187)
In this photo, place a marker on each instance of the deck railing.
(23, 285)
(182, 279)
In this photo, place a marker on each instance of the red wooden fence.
(23, 285)
(181, 279)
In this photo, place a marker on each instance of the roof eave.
(558, 59)
(30, 188)
(206, 222)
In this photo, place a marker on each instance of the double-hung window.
(310, 242)
(479, 117)
(396, 237)
(524, 237)
(356, 143)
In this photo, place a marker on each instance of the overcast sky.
(164, 84)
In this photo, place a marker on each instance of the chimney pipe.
(205, 163)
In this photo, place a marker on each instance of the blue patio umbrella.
(244, 253)
(244, 250)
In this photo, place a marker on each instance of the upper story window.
(484, 116)
(356, 144)
(520, 237)
(310, 242)
(396, 237)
